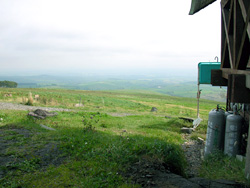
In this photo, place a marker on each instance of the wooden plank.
(228, 71)
(225, 62)
(243, 9)
(223, 43)
(224, 3)
(243, 53)
(239, 36)
(228, 38)
(245, 15)
(217, 79)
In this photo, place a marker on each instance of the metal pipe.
(198, 93)
(216, 57)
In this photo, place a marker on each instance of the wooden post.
(247, 167)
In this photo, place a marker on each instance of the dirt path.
(193, 150)
(13, 106)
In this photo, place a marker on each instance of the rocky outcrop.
(41, 114)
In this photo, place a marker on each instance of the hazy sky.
(46, 36)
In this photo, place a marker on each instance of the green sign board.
(204, 71)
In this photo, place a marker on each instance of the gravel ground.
(193, 151)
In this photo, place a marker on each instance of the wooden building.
(235, 56)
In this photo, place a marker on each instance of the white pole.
(198, 93)
(198, 100)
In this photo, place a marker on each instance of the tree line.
(9, 84)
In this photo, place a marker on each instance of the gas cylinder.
(215, 131)
(233, 134)
(227, 113)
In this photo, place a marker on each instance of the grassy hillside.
(185, 86)
(96, 145)
(132, 101)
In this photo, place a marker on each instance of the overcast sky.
(60, 36)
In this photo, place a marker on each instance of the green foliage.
(100, 141)
(220, 166)
(96, 156)
(8, 84)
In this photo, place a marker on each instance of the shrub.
(30, 99)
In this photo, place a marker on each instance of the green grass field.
(95, 145)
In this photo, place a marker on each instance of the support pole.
(198, 100)
(247, 167)
(198, 93)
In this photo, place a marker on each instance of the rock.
(180, 182)
(154, 109)
(200, 140)
(36, 97)
(35, 115)
(187, 130)
(79, 105)
(8, 95)
(41, 114)
(240, 158)
(186, 119)
(215, 183)
(48, 128)
(200, 181)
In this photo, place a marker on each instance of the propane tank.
(215, 131)
(233, 134)
(227, 113)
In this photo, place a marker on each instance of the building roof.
(197, 5)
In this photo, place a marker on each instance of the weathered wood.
(235, 42)
(226, 23)
(238, 91)
(217, 79)
(242, 26)
(238, 34)
(224, 3)
(228, 71)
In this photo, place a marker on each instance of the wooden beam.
(224, 3)
(243, 53)
(217, 79)
(238, 34)
(225, 61)
(228, 71)
(245, 15)
(226, 23)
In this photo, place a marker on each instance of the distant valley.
(170, 85)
